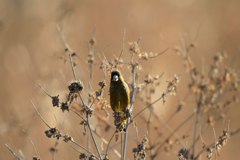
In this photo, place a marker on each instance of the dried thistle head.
(52, 132)
(134, 48)
(139, 151)
(55, 101)
(75, 87)
(172, 85)
(67, 138)
(65, 106)
(36, 158)
(184, 154)
(83, 156)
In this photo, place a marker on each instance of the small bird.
(119, 92)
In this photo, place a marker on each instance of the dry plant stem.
(82, 100)
(76, 113)
(89, 92)
(164, 94)
(56, 142)
(148, 129)
(44, 90)
(93, 137)
(196, 122)
(84, 149)
(74, 74)
(74, 148)
(109, 143)
(106, 142)
(206, 125)
(12, 152)
(30, 141)
(130, 108)
(122, 46)
(215, 143)
(130, 137)
(171, 131)
(39, 115)
(21, 154)
(137, 135)
(163, 142)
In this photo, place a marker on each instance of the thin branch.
(64, 41)
(170, 130)
(130, 108)
(137, 137)
(12, 152)
(82, 100)
(76, 113)
(93, 138)
(44, 90)
(122, 47)
(30, 140)
(83, 148)
(130, 137)
(74, 148)
(160, 53)
(163, 95)
(175, 130)
(215, 144)
(105, 142)
(70, 57)
(92, 41)
(109, 143)
(40, 115)
(197, 121)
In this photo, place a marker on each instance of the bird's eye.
(115, 78)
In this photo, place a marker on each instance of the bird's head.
(116, 77)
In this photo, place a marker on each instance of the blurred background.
(31, 47)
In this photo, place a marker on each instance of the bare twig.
(76, 113)
(109, 143)
(93, 138)
(40, 115)
(84, 148)
(44, 90)
(122, 47)
(215, 144)
(12, 152)
(197, 121)
(30, 140)
(74, 74)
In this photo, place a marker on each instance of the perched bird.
(119, 92)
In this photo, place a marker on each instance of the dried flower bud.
(75, 87)
(64, 106)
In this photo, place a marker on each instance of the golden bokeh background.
(30, 47)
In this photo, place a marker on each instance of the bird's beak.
(115, 78)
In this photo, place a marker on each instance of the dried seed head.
(184, 154)
(51, 132)
(75, 87)
(102, 84)
(36, 158)
(55, 101)
(67, 138)
(134, 48)
(83, 156)
(65, 106)
(93, 41)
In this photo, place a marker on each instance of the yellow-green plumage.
(119, 92)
